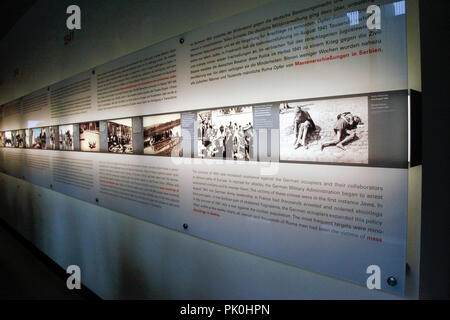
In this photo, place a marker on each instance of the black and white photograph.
(66, 137)
(90, 136)
(8, 139)
(226, 133)
(18, 138)
(53, 142)
(162, 135)
(38, 138)
(28, 134)
(120, 136)
(2, 139)
(331, 130)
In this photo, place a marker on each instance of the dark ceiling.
(10, 12)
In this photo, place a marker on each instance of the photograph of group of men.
(226, 133)
(120, 136)
(331, 130)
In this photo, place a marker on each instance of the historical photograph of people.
(90, 136)
(38, 138)
(66, 137)
(53, 142)
(19, 138)
(162, 135)
(8, 139)
(120, 136)
(331, 130)
(226, 133)
(2, 139)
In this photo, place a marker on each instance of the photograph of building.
(90, 136)
(120, 136)
(162, 135)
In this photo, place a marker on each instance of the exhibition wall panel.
(282, 131)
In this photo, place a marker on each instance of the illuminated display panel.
(296, 114)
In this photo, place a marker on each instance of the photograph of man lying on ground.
(329, 130)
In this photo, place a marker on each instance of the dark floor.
(27, 274)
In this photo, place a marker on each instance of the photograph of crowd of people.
(18, 138)
(226, 133)
(332, 130)
(120, 136)
(162, 135)
(38, 138)
(53, 142)
(66, 137)
(90, 136)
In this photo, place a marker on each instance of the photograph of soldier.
(53, 142)
(308, 129)
(120, 136)
(66, 137)
(226, 133)
(162, 135)
(19, 139)
(90, 136)
(38, 138)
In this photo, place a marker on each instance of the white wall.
(120, 256)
